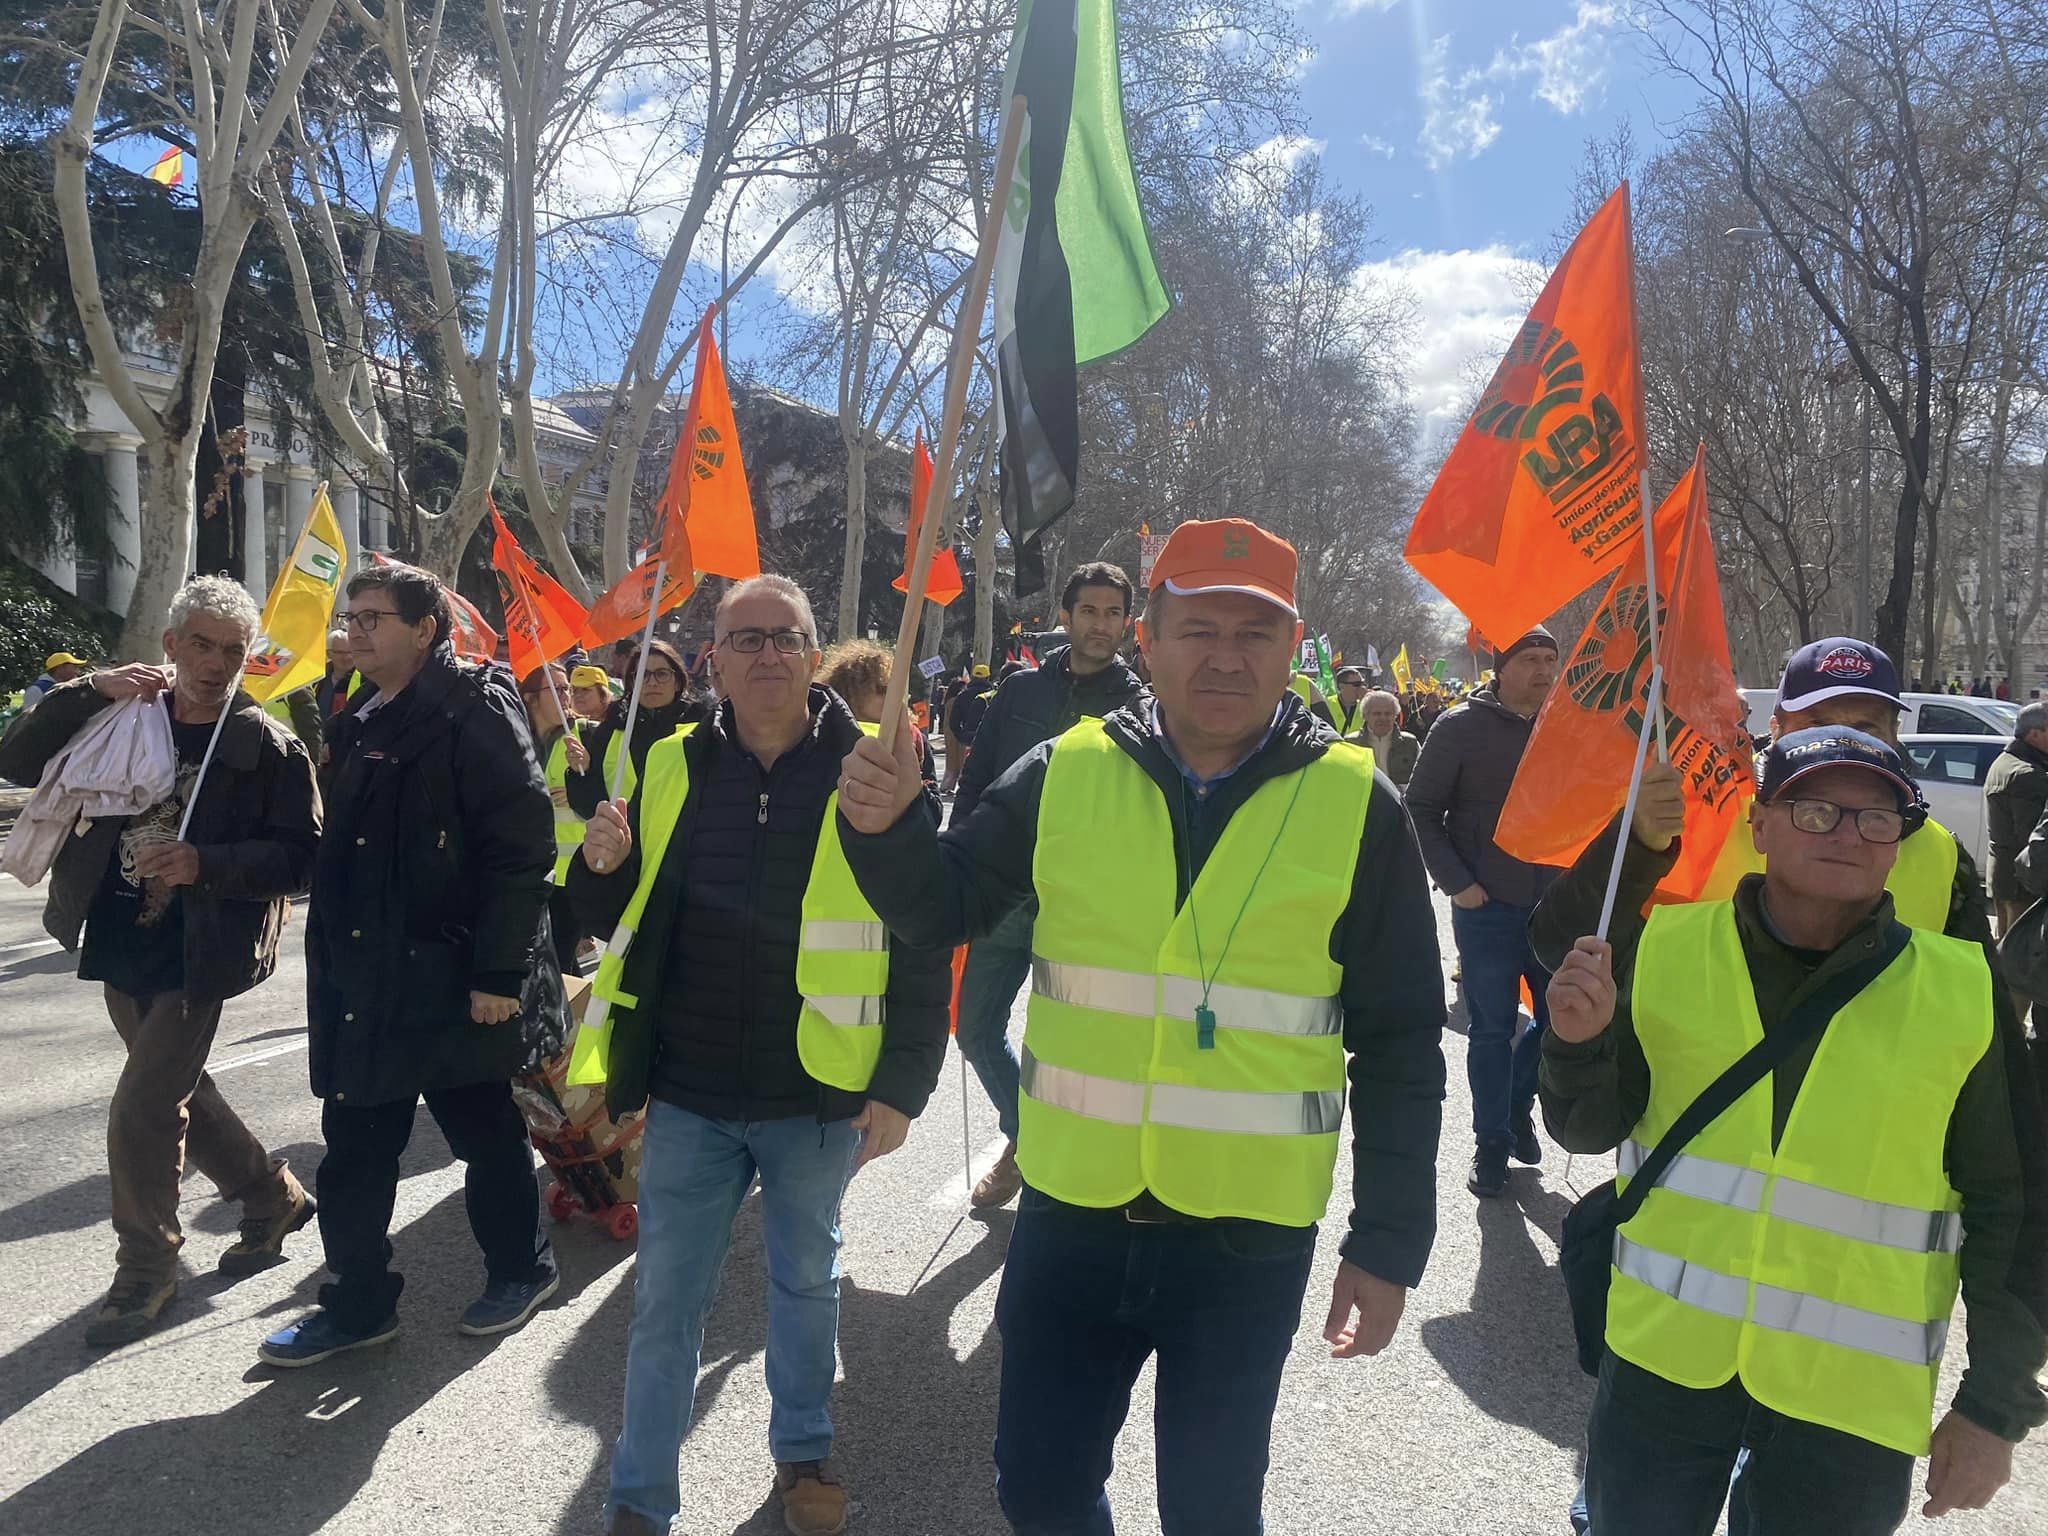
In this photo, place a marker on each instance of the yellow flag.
(291, 649)
(1402, 678)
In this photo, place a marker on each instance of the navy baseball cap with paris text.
(1833, 668)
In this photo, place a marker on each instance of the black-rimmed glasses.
(748, 642)
(1874, 824)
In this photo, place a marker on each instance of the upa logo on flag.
(1541, 375)
(708, 456)
(320, 561)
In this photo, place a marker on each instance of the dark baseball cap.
(1833, 669)
(1798, 753)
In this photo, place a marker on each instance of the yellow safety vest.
(1303, 688)
(569, 827)
(1822, 1271)
(1922, 880)
(631, 781)
(842, 964)
(1119, 1095)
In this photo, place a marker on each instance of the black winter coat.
(1034, 706)
(256, 826)
(715, 964)
(1459, 783)
(432, 882)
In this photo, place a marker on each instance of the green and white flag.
(1074, 277)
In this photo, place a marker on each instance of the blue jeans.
(1493, 949)
(693, 1174)
(1087, 1296)
(997, 965)
(1660, 1458)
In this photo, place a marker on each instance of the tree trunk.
(166, 545)
(856, 534)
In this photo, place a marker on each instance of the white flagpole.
(1649, 506)
(639, 674)
(1652, 707)
(205, 762)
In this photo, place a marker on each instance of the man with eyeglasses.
(772, 1024)
(1779, 1304)
(430, 970)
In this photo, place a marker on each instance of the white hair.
(219, 597)
(779, 586)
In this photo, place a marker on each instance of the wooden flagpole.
(966, 333)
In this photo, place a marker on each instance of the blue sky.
(1462, 122)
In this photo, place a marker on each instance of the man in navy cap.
(1779, 1304)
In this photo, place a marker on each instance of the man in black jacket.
(1460, 782)
(1173, 1174)
(429, 966)
(773, 1032)
(174, 927)
(2015, 793)
(1084, 678)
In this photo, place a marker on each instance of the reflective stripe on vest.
(1131, 992)
(867, 938)
(1693, 1285)
(1195, 1109)
(1120, 1094)
(1867, 1221)
(1820, 1265)
(1922, 880)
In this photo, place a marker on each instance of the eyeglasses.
(659, 674)
(365, 619)
(1874, 824)
(787, 642)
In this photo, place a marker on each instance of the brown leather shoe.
(1000, 1184)
(813, 1503)
(130, 1310)
(261, 1244)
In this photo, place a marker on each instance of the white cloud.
(1355, 7)
(1285, 151)
(1570, 66)
(1373, 144)
(1458, 121)
(1466, 306)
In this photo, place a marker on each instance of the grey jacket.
(1460, 782)
(2015, 794)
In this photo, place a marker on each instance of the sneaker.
(130, 1310)
(1000, 1184)
(321, 1336)
(506, 1305)
(813, 1503)
(261, 1244)
(1489, 1174)
(1527, 1149)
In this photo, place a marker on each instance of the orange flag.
(943, 583)
(473, 639)
(621, 613)
(706, 515)
(541, 620)
(1540, 496)
(1574, 775)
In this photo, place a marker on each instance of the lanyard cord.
(1205, 1016)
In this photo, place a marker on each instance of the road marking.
(953, 1193)
(268, 1053)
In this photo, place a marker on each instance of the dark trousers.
(358, 1185)
(1086, 1297)
(1660, 1457)
(568, 934)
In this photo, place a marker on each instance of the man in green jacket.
(1757, 1294)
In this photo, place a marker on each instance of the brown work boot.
(1000, 1184)
(813, 1503)
(261, 1244)
(130, 1310)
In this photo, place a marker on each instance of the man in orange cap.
(1233, 924)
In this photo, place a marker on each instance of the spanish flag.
(169, 170)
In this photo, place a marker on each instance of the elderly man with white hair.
(174, 925)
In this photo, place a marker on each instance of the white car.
(1925, 714)
(1950, 770)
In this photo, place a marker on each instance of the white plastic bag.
(121, 762)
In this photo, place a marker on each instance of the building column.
(348, 513)
(59, 562)
(299, 485)
(255, 531)
(124, 516)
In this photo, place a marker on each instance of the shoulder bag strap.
(1804, 1022)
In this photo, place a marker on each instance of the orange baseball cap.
(1227, 555)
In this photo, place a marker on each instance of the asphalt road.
(1469, 1423)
